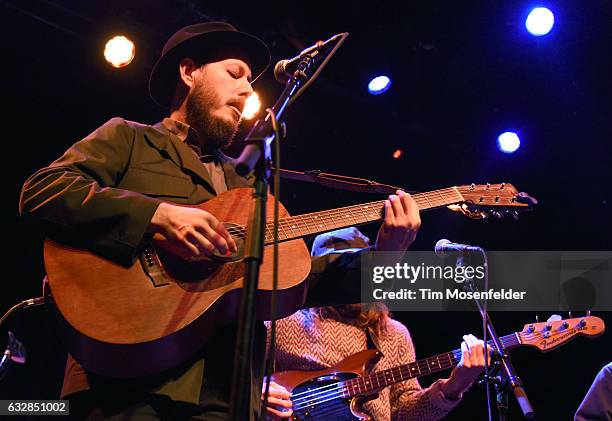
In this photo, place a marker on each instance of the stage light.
(119, 51)
(397, 154)
(379, 84)
(508, 142)
(540, 21)
(251, 106)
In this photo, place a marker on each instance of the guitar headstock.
(549, 335)
(483, 200)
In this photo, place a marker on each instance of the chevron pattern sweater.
(306, 341)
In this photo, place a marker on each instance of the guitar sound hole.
(238, 234)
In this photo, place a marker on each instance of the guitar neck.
(381, 379)
(317, 222)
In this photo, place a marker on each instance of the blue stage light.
(379, 84)
(508, 142)
(540, 21)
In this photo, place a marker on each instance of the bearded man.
(120, 185)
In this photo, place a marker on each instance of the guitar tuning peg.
(570, 314)
(497, 214)
(588, 313)
(537, 319)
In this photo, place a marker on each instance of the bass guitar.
(337, 393)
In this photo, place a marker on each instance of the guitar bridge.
(152, 267)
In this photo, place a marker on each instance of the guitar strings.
(420, 363)
(435, 198)
(337, 390)
(332, 391)
(239, 230)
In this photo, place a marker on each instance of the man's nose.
(245, 89)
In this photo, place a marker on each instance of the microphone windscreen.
(280, 71)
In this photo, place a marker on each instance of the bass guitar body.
(318, 395)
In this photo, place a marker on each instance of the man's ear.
(187, 69)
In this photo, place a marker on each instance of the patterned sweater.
(306, 341)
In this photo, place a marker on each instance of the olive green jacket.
(101, 195)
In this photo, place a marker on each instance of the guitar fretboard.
(380, 379)
(317, 222)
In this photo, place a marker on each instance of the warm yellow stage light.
(251, 106)
(119, 51)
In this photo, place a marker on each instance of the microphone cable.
(31, 302)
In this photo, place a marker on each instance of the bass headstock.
(480, 201)
(556, 332)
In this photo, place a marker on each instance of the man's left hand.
(400, 225)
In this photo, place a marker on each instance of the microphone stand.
(256, 157)
(14, 352)
(509, 376)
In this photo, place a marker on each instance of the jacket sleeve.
(75, 201)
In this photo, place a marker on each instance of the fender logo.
(547, 343)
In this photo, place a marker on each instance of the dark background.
(462, 73)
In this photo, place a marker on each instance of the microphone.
(444, 246)
(284, 69)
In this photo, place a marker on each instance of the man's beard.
(214, 132)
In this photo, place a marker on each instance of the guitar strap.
(340, 182)
(372, 339)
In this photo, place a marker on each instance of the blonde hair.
(374, 316)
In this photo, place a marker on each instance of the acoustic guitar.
(139, 320)
(337, 393)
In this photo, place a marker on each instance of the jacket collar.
(170, 141)
(183, 155)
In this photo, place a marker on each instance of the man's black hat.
(198, 42)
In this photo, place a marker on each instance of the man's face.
(216, 100)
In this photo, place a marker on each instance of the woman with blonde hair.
(317, 338)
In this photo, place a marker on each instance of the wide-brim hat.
(200, 41)
(345, 240)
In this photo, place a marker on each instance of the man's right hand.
(194, 231)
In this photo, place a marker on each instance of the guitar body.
(131, 322)
(315, 394)
(136, 321)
